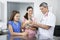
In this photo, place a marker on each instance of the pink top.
(31, 33)
(33, 19)
(24, 20)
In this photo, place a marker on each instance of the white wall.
(4, 14)
(1, 12)
(53, 4)
(58, 13)
(53, 7)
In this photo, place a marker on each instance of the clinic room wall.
(19, 6)
(53, 7)
(53, 3)
(3, 15)
(58, 13)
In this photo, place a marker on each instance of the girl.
(14, 25)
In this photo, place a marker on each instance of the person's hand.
(33, 23)
(27, 22)
(24, 34)
(32, 28)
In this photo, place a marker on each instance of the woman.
(14, 25)
(27, 25)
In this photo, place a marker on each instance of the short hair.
(14, 12)
(44, 4)
(29, 8)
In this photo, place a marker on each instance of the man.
(47, 23)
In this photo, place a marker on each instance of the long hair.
(14, 12)
(26, 15)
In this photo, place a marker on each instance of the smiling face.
(30, 12)
(43, 9)
(16, 17)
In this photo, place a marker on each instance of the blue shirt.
(15, 27)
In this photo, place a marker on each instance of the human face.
(43, 9)
(30, 11)
(16, 17)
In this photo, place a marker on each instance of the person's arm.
(14, 33)
(24, 23)
(49, 23)
(41, 25)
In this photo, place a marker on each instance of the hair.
(44, 4)
(14, 12)
(26, 15)
(29, 8)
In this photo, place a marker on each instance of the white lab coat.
(49, 20)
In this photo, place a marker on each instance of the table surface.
(6, 37)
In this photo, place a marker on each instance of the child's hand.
(24, 34)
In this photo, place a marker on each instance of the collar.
(46, 14)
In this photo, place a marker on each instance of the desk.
(6, 37)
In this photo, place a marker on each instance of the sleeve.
(34, 19)
(10, 22)
(23, 19)
(51, 21)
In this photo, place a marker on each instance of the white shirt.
(47, 19)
